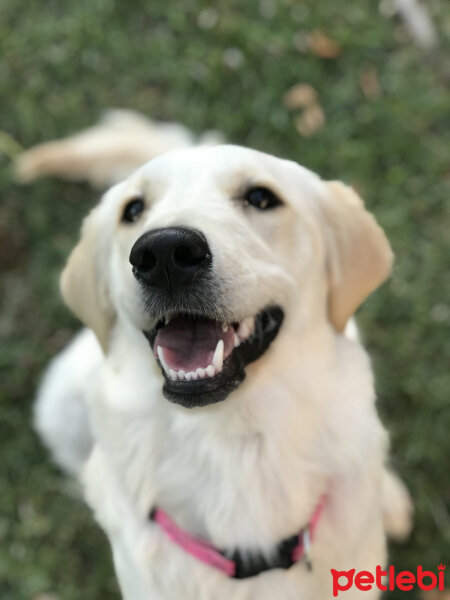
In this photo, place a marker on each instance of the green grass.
(64, 62)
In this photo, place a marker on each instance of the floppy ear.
(83, 281)
(359, 255)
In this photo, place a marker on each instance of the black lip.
(202, 392)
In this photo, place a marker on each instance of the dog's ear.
(83, 281)
(359, 257)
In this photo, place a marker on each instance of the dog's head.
(205, 251)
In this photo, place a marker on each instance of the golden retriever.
(222, 422)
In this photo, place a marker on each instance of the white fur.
(249, 471)
(60, 414)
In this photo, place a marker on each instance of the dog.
(221, 419)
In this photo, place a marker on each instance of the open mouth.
(203, 360)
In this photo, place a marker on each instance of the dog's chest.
(235, 494)
(230, 483)
(240, 479)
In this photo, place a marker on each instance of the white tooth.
(243, 331)
(210, 370)
(224, 327)
(201, 372)
(162, 360)
(166, 320)
(251, 324)
(173, 374)
(237, 341)
(194, 375)
(188, 376)
(181, 375)
(217, 360)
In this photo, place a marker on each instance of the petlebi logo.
(388, 579)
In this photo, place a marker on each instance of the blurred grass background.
(227, 66)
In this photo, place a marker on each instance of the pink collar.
(290, 551)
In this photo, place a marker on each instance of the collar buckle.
(307, 548)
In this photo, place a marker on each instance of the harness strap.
(240, 565)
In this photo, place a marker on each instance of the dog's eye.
(262, 198)
(133, 210)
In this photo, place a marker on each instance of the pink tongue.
(189, 344)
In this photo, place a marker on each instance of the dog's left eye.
(262, 198)
(133, 210)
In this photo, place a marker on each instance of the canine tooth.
(162, 360)
(237, 341)
(210, 370)
(201, 373)
(224, 327)
(217, 360)
(173, 374)
(181, 374)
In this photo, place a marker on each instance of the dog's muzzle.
(201, 350)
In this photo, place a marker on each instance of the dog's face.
(205, 251)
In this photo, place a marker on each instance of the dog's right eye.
(261, 198)
(133, 210)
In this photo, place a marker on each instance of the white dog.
(232, 447)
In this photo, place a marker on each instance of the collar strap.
(236, 564)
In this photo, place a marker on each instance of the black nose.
(170, 258)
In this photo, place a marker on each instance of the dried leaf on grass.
(310, 120)
(300, 95)
(369, 83)
(304, 97)
(323, 46)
